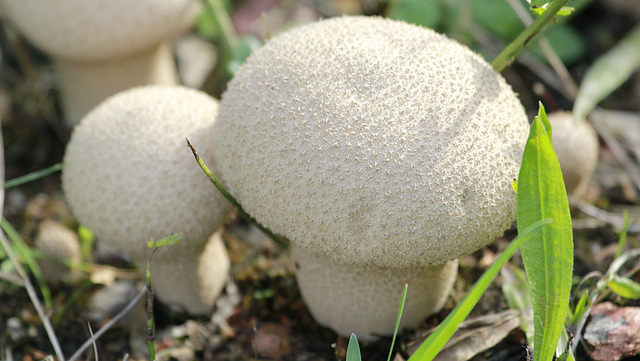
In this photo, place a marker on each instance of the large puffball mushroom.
(374, 145)
(101, 47)
(129, 176)
(576, 145)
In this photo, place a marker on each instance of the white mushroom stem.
(193, 285)
(84, 85)
(365, 300)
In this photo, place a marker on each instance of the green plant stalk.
(506, 57)
(279, 240)
(436, 341)
(27, 254)
(33, 176)
(220, 17)
(150, 336)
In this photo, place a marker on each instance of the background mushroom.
(576, 145)
(101, 47)
(62, 245)
(129, 176)
(377, 148)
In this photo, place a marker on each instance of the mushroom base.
(365, 301)
(84, 85)
(193, 284)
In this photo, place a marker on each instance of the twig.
(505, 58)
(279, 240)
(108, 325)
(34, 298)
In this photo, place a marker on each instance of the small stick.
(277, 239)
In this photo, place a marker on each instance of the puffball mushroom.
(62, 244)
(101, 47)
(576, 145)
(129, 176)
(377, 148)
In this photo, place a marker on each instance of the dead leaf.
(272, 340)
(474, 336)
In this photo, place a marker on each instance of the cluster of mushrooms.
(382, 151)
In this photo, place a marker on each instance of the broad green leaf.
(608, 73)
(624, 287)
(438, 338)
(548, 259)
(353, 350)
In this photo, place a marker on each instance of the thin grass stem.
(32, 176)
(282, 242)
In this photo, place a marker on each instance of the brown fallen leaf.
(613, 332)
(474, 336)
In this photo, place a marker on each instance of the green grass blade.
(624, 287)
(608, 73)
(27, 255)
(400, 310)
(548, 259)
(353, 350)
(436, 341)
(32, 176)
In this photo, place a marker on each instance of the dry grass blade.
(108, 325)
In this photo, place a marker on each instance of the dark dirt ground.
(265, 315)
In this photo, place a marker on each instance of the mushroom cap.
(129, 175)
(100, 29)
(372, 141)
(576, 145)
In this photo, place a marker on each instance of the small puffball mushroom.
(62, 244)
(379, 149)
(129, 176)
(101, 47)
(576, 145)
